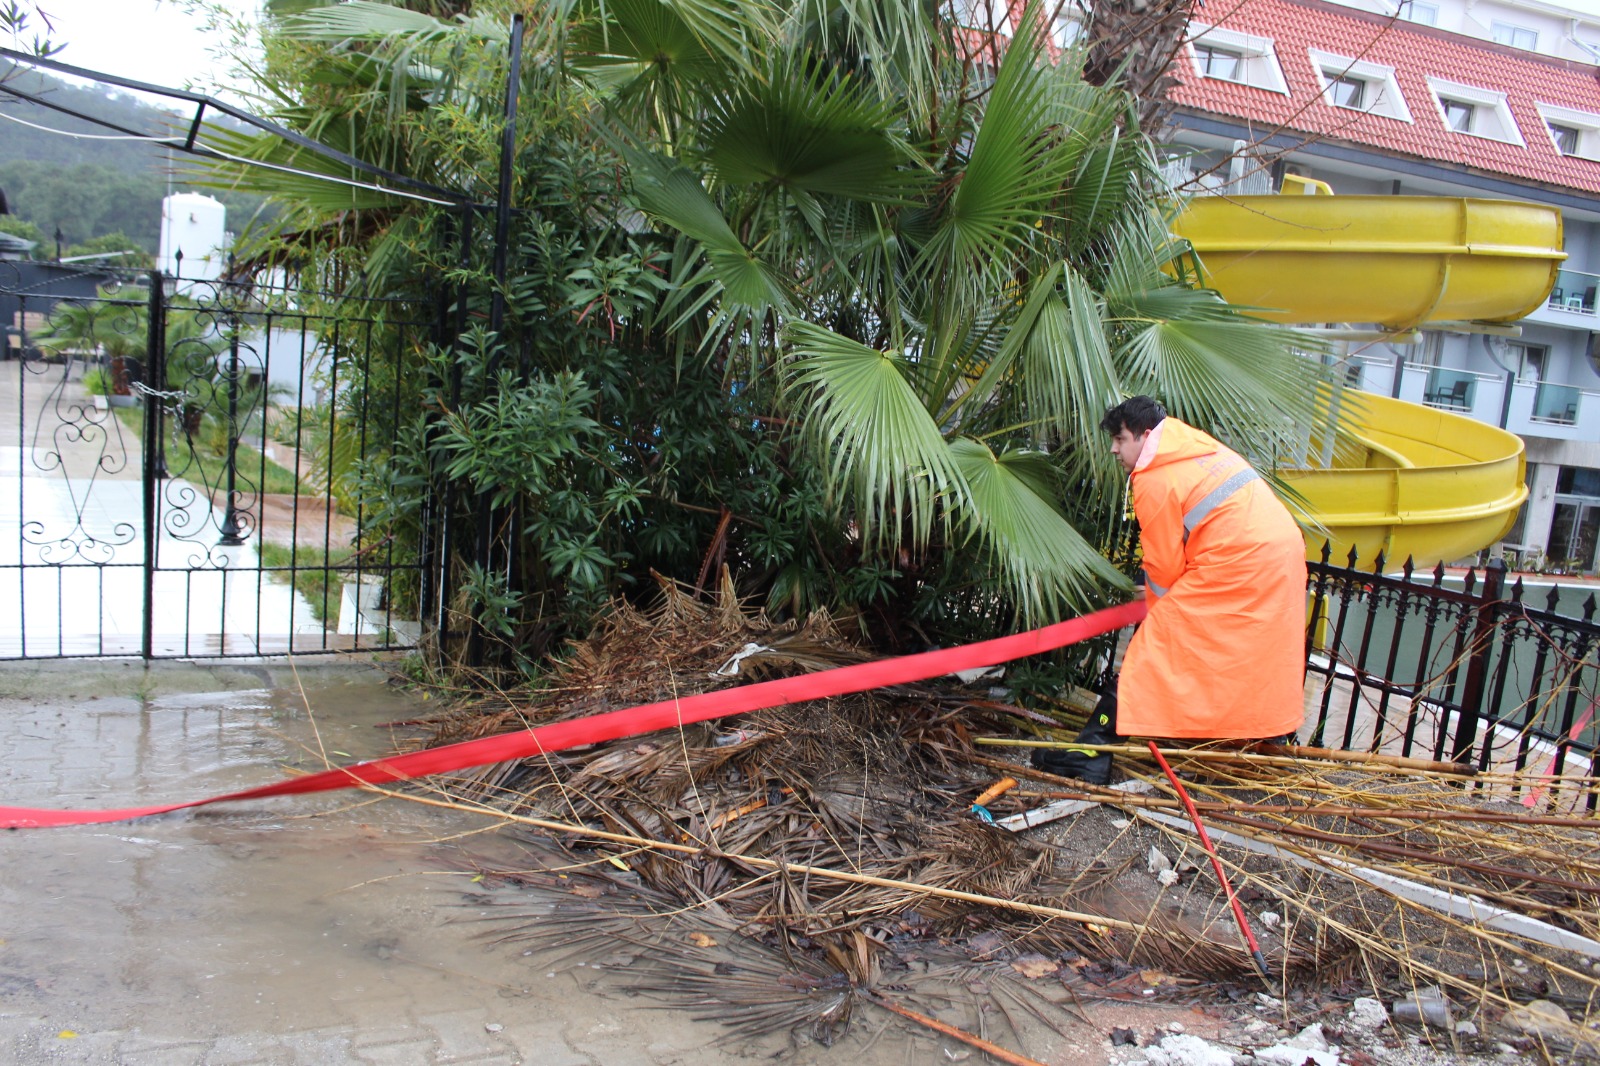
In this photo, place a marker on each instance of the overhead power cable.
(387, 181)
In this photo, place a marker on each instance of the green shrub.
(96, 382)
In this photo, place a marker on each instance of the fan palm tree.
(941, 249)
(951, 286)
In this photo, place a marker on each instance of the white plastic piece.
(731, 667)
(1467, 907)
(1058, 809)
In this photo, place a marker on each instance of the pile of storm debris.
(786, 869)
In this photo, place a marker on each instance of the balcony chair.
(1454, 397)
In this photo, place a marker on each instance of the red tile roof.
(1415, 52)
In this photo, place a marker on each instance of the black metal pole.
(1478, 666)
(508, 154)
(154, 453)
(231, 537)
(488, 518)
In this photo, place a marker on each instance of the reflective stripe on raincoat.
(1222, 652)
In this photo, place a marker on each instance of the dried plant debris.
(779, 869)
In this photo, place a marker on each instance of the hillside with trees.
(87, 178)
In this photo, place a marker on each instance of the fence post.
(154, 466)
(1478, 665)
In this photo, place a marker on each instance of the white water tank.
(195, 226)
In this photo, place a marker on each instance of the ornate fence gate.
(179, 458)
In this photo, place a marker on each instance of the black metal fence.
(180, 460)
(1459, 667)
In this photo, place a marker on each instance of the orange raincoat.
(1222, 652)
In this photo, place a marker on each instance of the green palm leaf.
(1067, 374)
(899, 43)
(1227, 373)
(1006, 186)
(875, 431)
(1043, 562)
(674, 195)
(645, 53)
(812, 131)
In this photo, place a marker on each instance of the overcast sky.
(156, 41)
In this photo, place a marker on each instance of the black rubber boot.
(1086, 763)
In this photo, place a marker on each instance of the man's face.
(1126, 446)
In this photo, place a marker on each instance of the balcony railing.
(1574, 291)
(1556, 404)
(1528, 408)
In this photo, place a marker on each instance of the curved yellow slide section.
(1418, 482)
(1398, 261)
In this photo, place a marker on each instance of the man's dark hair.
(1137, 414)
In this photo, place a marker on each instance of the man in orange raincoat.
(1222, 651)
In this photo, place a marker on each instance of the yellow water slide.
(1408, 480)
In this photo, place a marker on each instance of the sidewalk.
(315, 931)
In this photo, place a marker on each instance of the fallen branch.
(951, 1031)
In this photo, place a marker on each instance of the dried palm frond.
(778, 868)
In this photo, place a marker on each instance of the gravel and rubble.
(1365, 1033)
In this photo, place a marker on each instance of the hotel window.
(1475, 111)
(1515, 36)
(1218, 62)
(1574, 133)
(1359, 85)
(1244, 58)
(1422, 14)
(1348, 92)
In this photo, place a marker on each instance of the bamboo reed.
(1266, 754)
(909, 887)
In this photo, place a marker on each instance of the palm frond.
(1004, 189)
(879, 438)
(674, 195)
(1215, 367)
(1067, 374)
(1047, 568)
(308, 181)
(896, 43)
(805, 129)
(647, 56)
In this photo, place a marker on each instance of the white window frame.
(1383, 90)
(1409, 9)
(1492, 119)
(1587, 123)
(1204, 54)
(1510, 30)
(1068, 26)
(1258, 62)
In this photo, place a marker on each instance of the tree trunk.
(1138, 40)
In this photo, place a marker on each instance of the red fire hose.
(1216, 864)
